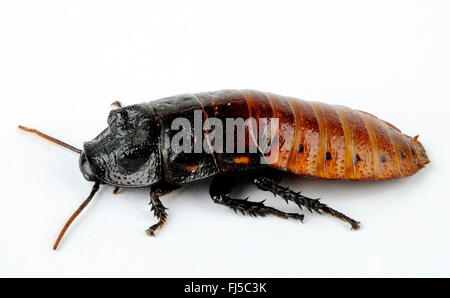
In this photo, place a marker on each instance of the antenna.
(51, 139)
(76, 213)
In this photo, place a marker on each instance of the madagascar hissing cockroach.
(141, 148)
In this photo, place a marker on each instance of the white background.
(62, 63)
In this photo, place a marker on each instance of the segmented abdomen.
(325, 141)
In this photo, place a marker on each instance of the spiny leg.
(158, 208)
(253, 208)
(159, 211)
(116, 190)
(266, 184)
(220, 190)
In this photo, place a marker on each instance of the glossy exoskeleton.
(314, 139)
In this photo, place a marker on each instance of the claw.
(150, 232)
(355, 226)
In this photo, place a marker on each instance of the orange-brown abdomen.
(334, 142)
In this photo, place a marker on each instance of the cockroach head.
(126, 153)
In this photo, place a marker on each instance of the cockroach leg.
(117, 104)
(220, 190)
(266, 184)
(116, 190)
(160, 212)
(252, 208)
(158, 208)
